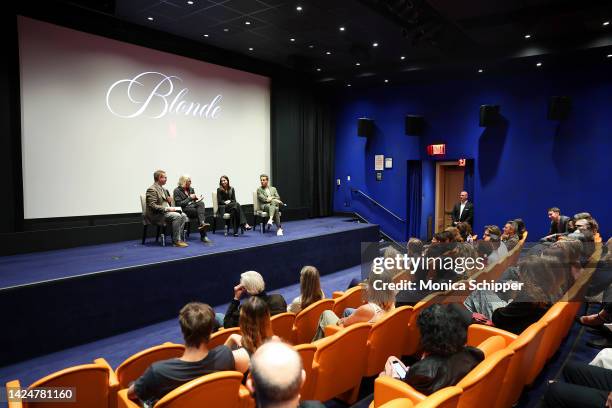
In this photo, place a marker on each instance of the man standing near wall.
(463, 211)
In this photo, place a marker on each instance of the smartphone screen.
(399, 370)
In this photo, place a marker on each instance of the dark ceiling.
(412, 36)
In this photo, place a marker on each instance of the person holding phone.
(226, 198)
(446, 359)
(193, 205)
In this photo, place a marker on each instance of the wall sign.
(379, 162)
(436, 149)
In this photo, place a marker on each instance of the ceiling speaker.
(415, 125)
(489, 115)
(559, 107)
(365, 127)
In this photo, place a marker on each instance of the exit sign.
(436, 149)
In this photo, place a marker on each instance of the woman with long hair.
(310, 290)
(226, 198)
(255, 326)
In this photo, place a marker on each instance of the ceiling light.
(247, 22)
(480, 71)
(250, 48)
(299, 8)
(375, 44)
(539, 64)
(402, 57)
(190, 2)
(226, 29)
(357, 63)
(150, 18)
(527, 36)
(348, 84)
(328, 52)
(609, 56)
(386, 81)
(292, 39)
(311, 46)
(318, 69)
(606, 23)
(342, 28)
(206, 35)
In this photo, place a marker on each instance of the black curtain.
(415, 196)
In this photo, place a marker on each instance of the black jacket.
(517, 316)
(559, 228)
(436, 372)
(276, 304)
(181, 199)
(466, 216)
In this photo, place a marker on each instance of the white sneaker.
(279, 232)
(270, 221)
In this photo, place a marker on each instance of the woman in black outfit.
(226, 198)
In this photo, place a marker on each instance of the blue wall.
(523, 166)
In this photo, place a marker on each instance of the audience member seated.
(602, 277)
(310, 290)
(253, 284)
(465, 230)
(520, 227)
(193, 206)
(493, 234)
(600, 322)
(456, 235)
(159, 208)
(585, 386)
(277, 376)
(509, 237)
(446, 359)
(196, 321)
(380, 302)
(558, 222)
(270, 202)
(412, 297)
(226, 198)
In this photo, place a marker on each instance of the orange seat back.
(447, 397)
(219, 337)
(307, 352)
(553, 320)
(134, 366)
(413, 339)
(219, 389)
(282, 326)
(387, 338)
(481, 385)
(354, 297)
(92, 384)
(307, 321)
(492, 345)
(339, 362)
(525, 348)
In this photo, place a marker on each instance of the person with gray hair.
(510, 237)
(193, 205)
(251, 283)
(277, 376)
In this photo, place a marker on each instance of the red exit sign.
(436, 149)
(462, 162)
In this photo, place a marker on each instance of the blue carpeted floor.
(43, 266)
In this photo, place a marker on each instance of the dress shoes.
(181, 244)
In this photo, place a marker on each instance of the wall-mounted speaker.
(489, 115)
(415, 125)
(559, 107)
(365, 127)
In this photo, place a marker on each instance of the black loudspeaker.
(365, 127)
(559, 107)
(415, 125)
(489, 115)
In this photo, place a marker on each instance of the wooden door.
(450, 179)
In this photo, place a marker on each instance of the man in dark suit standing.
(558, 222)
(463, 211)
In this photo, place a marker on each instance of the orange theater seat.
(95, 386)
(222, 389)
(134, 366)
(282, 326)
(219, 337)
(354, 297)
(307, 321)
(387, 390)
(387, 338)
(413, 339)
(339, 363)
(307, 352)
(550, 339)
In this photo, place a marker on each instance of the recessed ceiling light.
(527, 36)
(247, 22)
(375, 44)
(250, 48)
(480, 71)
(358, 63)
(311, 46)
(348, 84)
(292, 39)
(318, 69)
(539, 64)
(606, 23)
(342, 28)
(206, 35)
(386, 81)
(609, 56)
(299, 8)
(190, 2)
(402, 57)
(328, 52)
(226, 29)
(150, 18)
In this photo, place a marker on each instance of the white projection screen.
(99, 116)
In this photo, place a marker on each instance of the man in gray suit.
(270, 202)
(159, 208)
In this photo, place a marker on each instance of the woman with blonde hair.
(310, 290)
(192, 205)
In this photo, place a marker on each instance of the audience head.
(454, 234)
(484, 248)
(385, 297)
(415, 247)
(253, 282)
(465, 230)
(264, 180)
(254, 323)
(184, 181)
(492, 233)
(160, 177)
(463, 196)
(310, 286)
(539, 281)
(224, 182)
(443, 332)
(196, 321)
(559, 265)
(573, 248)
(276, 375)
(554, 213)
(510, 228)
(582, 215)
(520, 227)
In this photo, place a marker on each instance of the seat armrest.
(16, 385)
(477, 333)
(124, 402)
(387, 389)
(332, 329)
(336, 294)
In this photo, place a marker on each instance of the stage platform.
(57, 299)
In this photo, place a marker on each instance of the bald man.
(276, 377)
(463, 211)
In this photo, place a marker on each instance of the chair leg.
(157, 233)
(144, 233)
(163, 236)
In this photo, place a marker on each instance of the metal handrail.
(356, 190)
